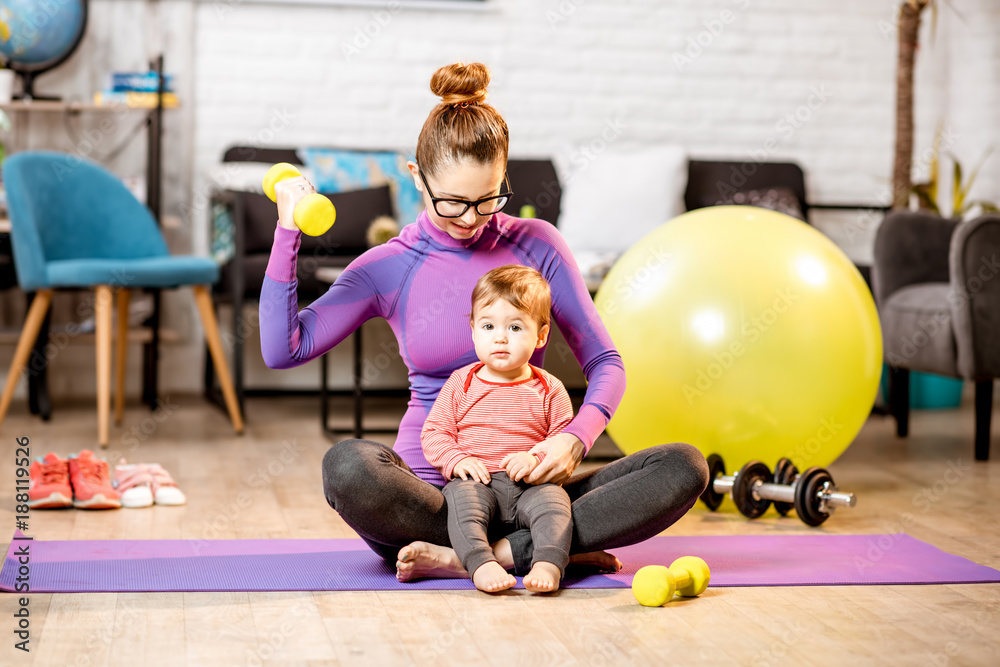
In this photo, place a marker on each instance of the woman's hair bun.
(459, 83)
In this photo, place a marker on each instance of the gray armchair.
(937, 285)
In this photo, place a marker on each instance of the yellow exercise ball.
(744, 332)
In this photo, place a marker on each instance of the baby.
(485, 420)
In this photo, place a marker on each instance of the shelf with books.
(134, 99)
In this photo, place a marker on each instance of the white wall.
(292, 75)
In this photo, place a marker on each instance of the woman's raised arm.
(574, 311)
(289, 337)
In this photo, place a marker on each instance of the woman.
(421, 282)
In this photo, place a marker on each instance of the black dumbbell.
(785, 472)
(739, 487)
(812, 493)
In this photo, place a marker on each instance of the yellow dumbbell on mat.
(314, 214)
(655, 585)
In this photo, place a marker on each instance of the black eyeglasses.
(456, 208)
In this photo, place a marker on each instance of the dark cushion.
(911, 248)
(711, 180)
(535, 183)
(780, 199)
(255, 265)
(355, 211)
(346, 240)
(917, 329)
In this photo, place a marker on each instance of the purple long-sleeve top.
(421, 282)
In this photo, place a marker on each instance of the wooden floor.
(276, 466)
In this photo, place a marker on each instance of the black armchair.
(938, 291)
(254, 218)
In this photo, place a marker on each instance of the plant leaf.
(935, 165)
(957, 191)
(925, 197)
(986, 206)
(975, 170)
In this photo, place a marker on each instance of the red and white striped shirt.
(489, 420)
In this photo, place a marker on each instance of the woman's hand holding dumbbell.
(299, 206)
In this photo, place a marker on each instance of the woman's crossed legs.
(405, 519)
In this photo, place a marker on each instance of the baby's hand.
(519, 465)
(471, 468)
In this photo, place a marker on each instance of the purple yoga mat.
(348, 565)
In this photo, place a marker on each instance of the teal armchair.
(75, 225)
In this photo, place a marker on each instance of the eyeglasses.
(456, 208)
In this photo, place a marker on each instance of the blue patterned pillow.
(338, 170)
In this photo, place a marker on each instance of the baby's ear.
(543, 335)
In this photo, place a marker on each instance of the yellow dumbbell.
(655, 585)
(314, 214)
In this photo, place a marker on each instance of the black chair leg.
(984, 409)
(151, 356)
(239, 333)
(39, 402)
(899, 399)
(209, 375)
(209, 368)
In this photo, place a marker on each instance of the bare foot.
(543, 578)
(492, 578)
(599, 559)
(421, 559)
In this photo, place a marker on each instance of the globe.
(37, 35)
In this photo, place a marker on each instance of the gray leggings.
(543, 509)
(624, 502)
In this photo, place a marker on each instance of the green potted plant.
(926, 390)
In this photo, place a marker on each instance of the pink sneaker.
(134, 484)
(165, 490)
(49, 487)
(92, 488)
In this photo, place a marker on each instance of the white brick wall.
(562, 68)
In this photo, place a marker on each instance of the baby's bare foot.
(543, 578)
(421, 559)
(599, 559)
(492, 578)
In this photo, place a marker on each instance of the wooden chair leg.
(204, 301)
(32, 324)
(121, 350)
(984, 410)
(102, 327)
